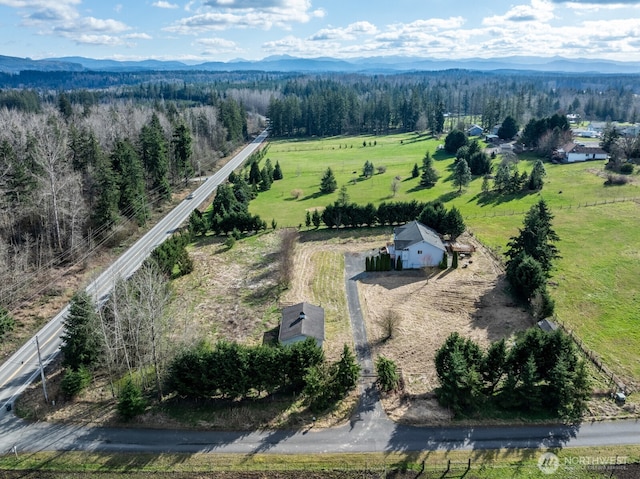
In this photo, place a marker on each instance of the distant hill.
(285, 63)
(15, 65)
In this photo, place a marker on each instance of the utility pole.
(44, 381)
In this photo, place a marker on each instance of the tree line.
(539, 372)
(73, 177)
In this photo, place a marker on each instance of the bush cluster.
(541, 372)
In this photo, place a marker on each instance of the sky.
(221, 30)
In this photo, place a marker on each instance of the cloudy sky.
(221, 30)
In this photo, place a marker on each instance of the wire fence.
(613, 379)
(586, 204)
(397, 469)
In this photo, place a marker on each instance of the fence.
(595, 359)
(560, 207)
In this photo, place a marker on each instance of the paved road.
(21, 368)
(369, 430)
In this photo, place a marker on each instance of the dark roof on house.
(587, 149)
(415, 232)
(302, 319)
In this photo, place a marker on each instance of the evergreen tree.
(277, 172)
(316, 218)
(453, 223)
(105, 211)
(126, 163)
(387, 372)
(454, 140)
(307, 219)
(182, 150)
(429, 175)
(528, 389)
(255, 176)
(525, 275)
(130, 401)
(75, 381)
(536, 238)
(367, 169)
(494, 365)
(536, 179)
(347, 372)
(153, 152)
(508, 129)
(461, 174)
(81, 344)
(328, 183)
(415, 172)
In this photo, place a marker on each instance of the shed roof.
(415, 232)
(302, 319)
(547, 325)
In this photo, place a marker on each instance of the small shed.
(302, 321)
(547, 325)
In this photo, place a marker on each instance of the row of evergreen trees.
(540, 372)
(432, 214)
(235, 371)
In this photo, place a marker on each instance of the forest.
(82, 153)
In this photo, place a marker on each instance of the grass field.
(494, 464)
(598, 277)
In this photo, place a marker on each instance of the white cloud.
(263, 14)
(537, 11)
(216, 46)
(350, 32)
(163, 4)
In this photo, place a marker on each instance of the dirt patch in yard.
(431, 304)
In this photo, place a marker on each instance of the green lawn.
(598, 277)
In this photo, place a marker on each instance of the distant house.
(416, 245)
(475, 130)
(302, 321)
(575, 153)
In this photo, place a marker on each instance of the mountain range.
(285, 63)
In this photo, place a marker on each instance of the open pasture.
(595, 284)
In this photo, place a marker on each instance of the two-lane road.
(19, 370)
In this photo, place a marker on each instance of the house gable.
(417, 245)
(302, 321)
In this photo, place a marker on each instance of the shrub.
(381, 169)
(297, 194)
(387, 372)
(444, 262)
(616, 180)
(626, 168)
(74, 382)
(390, 323)
(130, 402)
(230, 242)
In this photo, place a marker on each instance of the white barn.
(417, 246)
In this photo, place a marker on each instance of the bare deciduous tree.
(135, 326)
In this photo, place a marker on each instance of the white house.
(302, 321)
(584, 153)
(417, 246)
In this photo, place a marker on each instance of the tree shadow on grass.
(496, 198)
